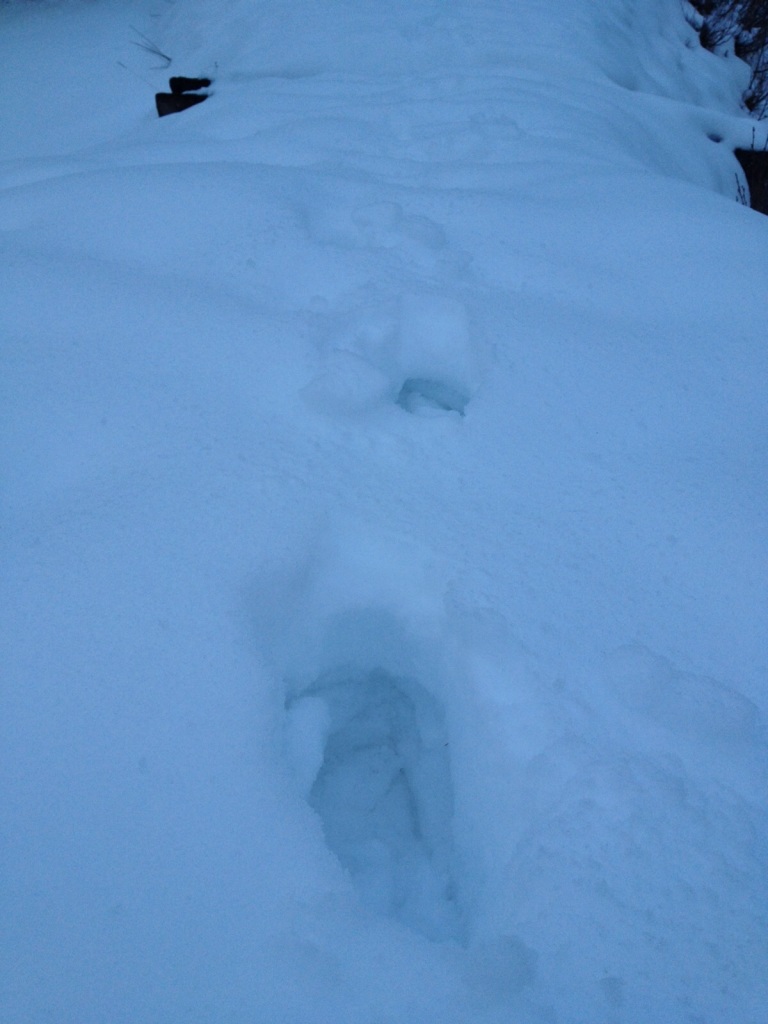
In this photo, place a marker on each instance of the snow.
(384, 542)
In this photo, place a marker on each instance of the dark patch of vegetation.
(149, 46)
(740, 27)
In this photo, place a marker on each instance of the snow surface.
(384, 536)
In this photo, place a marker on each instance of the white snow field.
(384, 576)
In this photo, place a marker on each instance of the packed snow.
(385, 576)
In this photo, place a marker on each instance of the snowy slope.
(384, 535)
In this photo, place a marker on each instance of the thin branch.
(149, 46)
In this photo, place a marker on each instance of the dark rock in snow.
(179, 84)
(754, 163)
(170, 103)
(183, 94)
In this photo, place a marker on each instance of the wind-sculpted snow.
(384, 554)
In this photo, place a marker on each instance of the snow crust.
(384, 539)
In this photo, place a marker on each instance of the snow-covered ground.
(384, 517)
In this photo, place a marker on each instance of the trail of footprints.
(368, 745)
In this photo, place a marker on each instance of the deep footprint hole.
(425, 396)
(376, 768)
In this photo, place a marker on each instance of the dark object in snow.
(168, 103)
(183, 95)
(739, 27)
(180, 84)
(754, 163)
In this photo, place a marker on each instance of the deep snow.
(384, 535)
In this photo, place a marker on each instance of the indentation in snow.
(382, 790)
(425, 397)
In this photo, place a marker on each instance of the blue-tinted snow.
(384, 568)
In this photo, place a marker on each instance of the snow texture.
(384, 588)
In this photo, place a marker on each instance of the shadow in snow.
(423, 396)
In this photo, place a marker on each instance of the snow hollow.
(384, 517)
